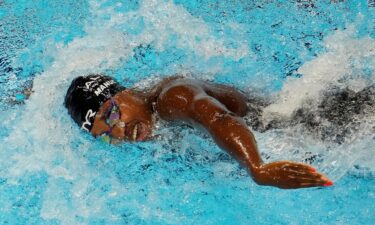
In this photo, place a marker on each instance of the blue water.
(52, 173)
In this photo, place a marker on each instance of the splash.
(165, 25)
(184, 177)
(348, 62)
(44, 139)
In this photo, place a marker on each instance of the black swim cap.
(85, 96)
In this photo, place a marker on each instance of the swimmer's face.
(135, 122)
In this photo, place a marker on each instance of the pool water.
(288, 51)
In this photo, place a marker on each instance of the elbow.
(207, 110)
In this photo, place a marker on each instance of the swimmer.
(99, 105)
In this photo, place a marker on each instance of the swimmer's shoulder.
(168, 82)
(151, 93)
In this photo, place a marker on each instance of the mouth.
(137, 131)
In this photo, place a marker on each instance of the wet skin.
(217, 109)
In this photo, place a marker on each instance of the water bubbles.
(183, 174)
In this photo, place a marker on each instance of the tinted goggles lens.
(112, 118)
(112, 114)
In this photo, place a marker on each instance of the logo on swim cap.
(85, 96)
(90, 116)
(103, 86)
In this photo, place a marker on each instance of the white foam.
(346, 63)
(346, 58)
(41, 140)
(42, 136)
(332, 159)
(163, 20)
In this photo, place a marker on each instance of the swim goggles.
(112, 118)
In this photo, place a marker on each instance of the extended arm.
(191, 104)
(232, 135)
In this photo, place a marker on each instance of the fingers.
(300, 177)
(304, 169)
(305, 176)
(287, 175)
(317, 179)
(304, 182)
(300, 185)
(300, 167)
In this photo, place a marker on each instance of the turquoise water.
(289, 51)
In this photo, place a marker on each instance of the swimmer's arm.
(229, 96)
(231, 133)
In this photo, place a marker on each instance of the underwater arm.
(188, 102)
(231, 134)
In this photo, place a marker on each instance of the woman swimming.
(102, 107)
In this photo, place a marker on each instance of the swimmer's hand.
(289, 175)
